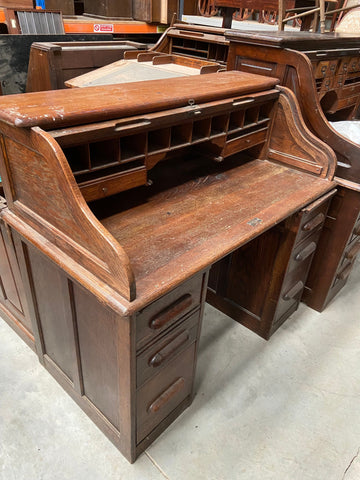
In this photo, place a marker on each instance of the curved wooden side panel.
(295, 71)
(41, 190)
(292, 143)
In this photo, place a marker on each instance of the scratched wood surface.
(57, 108)
(171, 232)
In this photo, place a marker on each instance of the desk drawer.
(155, 358)
(303, 253)
(345, 100)
(312, 221)
(158, 397)
(161, 314)
(352, 250)
(326, 68)
(290, 295)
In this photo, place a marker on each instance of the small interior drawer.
(158, 397)
(152, 360)
(161, 314)
(322, 69)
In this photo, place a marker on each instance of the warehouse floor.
(287, 409)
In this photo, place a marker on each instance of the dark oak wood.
(323, 71)
(120, 200)
(13, 304)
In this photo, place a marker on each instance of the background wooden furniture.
(144, 66)
(34, 22)
(15, 52)
(52, 63)
(109, 8)
(323, 71)
(67, 7)
(121, 221)
(151, 11)
(317, 11)
(182, 49)
(17, 4)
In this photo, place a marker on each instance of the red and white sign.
(103, 28)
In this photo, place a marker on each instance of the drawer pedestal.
(339, 245)
(261, 284)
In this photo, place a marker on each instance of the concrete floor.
(284, 409)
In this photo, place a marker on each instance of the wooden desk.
(182, 50)
(119, 205)
(51, 64)
(324, 73)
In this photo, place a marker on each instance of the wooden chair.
(317, 11)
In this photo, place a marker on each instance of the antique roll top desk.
(323, 70)
(119, 200)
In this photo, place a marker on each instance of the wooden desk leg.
(281, 15)
(227, 14)
(322, 16)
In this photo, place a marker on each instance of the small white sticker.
(104, 28)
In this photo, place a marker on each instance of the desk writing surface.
(173, 232)
(125, 71)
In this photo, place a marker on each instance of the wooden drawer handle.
(166, 396)
(354, 250)
(315, 222)
(345, 272)
(171, 311)
(190, 34)
(169, 349)
(306, 252)
(294, 291)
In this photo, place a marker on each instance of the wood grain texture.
(268, 192)
(60, 108)
(129, 358)
(51, 64)
(340, 233)
(58, 219)
(294, 69)
(312, 66)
